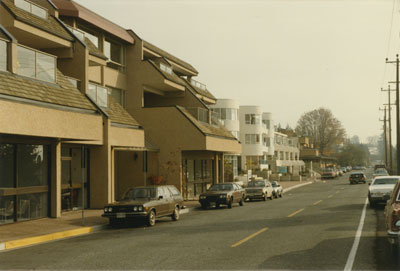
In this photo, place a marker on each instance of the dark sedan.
(147, 202)
(223, 193)
(357, 177)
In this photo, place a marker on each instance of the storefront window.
(6, 209)
(32, 169)
(6, 165)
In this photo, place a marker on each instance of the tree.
(322, 128)
(354, 155)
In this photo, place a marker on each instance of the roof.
(118, 114)
(51, 24)
(93, 50)
(63, 93)
(200, 91)
(163, 53)
(172, 77)
(72, 9)
(206, 128)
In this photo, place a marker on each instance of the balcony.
(205, 116)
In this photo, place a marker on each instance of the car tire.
(204, 206)
(280, 195)
(372, 204)
(217, 205)
(151, 218)
(175, 214)
(241, 202)
(112, 222)
(264, 197)
(230, 203)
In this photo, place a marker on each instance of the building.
(228, 110)
(256, 137)
(313, 159)
(286, 158)
(63, 121)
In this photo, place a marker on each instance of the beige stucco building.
(78, 93)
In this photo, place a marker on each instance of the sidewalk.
(70, 224)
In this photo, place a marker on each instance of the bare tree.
(322, 128)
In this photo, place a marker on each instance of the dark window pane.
(32, 161)
(6, 209)
(32, 206)
(6, 165)
(65, 172)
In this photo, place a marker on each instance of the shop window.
(32, 161)
(36, 65)
(3, 55)
(7, 165)
(31, 8)
(98, 94)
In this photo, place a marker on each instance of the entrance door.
(71, 179)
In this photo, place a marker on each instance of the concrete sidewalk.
(38, 231)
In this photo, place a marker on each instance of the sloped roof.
(172, 77)
(73, 9)
(63, 93)
(163, 53)
(50, 24)
(206, 128)
(200, 91)
(118, 114)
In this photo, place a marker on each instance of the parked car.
(146, 202)
(328, 173)
(278, 190)
(392, 216)
(223, 193)
(344, 169)
(381, 188)
(357, 177)
(259, 189)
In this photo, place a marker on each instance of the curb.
(19, 243)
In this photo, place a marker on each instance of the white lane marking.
(353, 252)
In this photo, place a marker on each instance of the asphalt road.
(310, 228)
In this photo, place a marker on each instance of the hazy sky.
(289, 57)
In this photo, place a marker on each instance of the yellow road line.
(295, 213)
(330, 196)
(249, 237)
(317, 202)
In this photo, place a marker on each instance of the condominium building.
(62, 120)
(228, 110)
(256, 128)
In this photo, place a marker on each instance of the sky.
(287, 56)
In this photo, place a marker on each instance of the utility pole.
(397, 114)
(390, 129)
(384, 135)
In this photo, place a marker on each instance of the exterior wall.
(271, 131)
(126, 137)
(230, 125)
(31, 120)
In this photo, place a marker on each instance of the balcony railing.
(204, 115)
(198, 84)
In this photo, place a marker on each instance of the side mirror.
(160, 197)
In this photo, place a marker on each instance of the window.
(165, 68)
(31, 8)
(98, 94)
(115, 54)
(198, 84)
(118, 95)
(3, 55)
(85, 34)
(252, 119)
(267, 123)
(75, 82)
(37, 65)
(267, 141)
(252, 139)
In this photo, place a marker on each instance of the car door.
(237, 193)
(162, 202)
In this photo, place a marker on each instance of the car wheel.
(241, 202)
(175, 214)
(112, 222)
(372, 204)
(151, 218)
(217, 205)
(230, 203)
(204, 206)
(264, 197)
(280, 194)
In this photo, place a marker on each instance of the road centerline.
(249, 237)
(295, 213)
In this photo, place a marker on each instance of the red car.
(392, 215)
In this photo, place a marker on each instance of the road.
(310, 228)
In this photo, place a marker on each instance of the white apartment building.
(228, 110)
(286, 155)
(256, 136)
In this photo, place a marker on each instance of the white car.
(380, 189)
(259, 189)
(278, 190)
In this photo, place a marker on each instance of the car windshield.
(380, 171)
(385, 181)
(221, 187)
(256, 184)
(140, 193)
